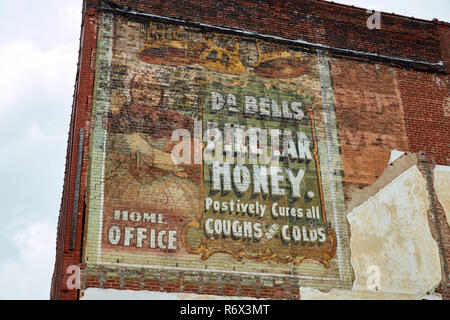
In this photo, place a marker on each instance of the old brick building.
(260, 149)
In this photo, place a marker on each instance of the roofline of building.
(421, 65)
(393, 14)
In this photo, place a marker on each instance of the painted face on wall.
(146, 91)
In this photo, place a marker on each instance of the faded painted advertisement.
(214, 152)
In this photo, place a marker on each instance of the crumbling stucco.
(442, 188)
(390, 231)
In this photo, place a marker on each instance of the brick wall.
(81, 109)
(444, 35)
(382, 104)
(314, 21)
(370, 117)
(425, 98)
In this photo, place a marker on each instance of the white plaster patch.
(442, 188)
(390, 230)
(395, 154)
(442, 169)
(114, 294)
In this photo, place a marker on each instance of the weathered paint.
(156, 81)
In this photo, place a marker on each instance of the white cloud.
(34, 118)
(73, 18)
(27, 275)
(38, 60)
(30, 71)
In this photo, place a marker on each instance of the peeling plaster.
(390, 230)
(442, 188)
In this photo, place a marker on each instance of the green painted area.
(311, 209)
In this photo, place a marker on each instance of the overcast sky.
(39, 42)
